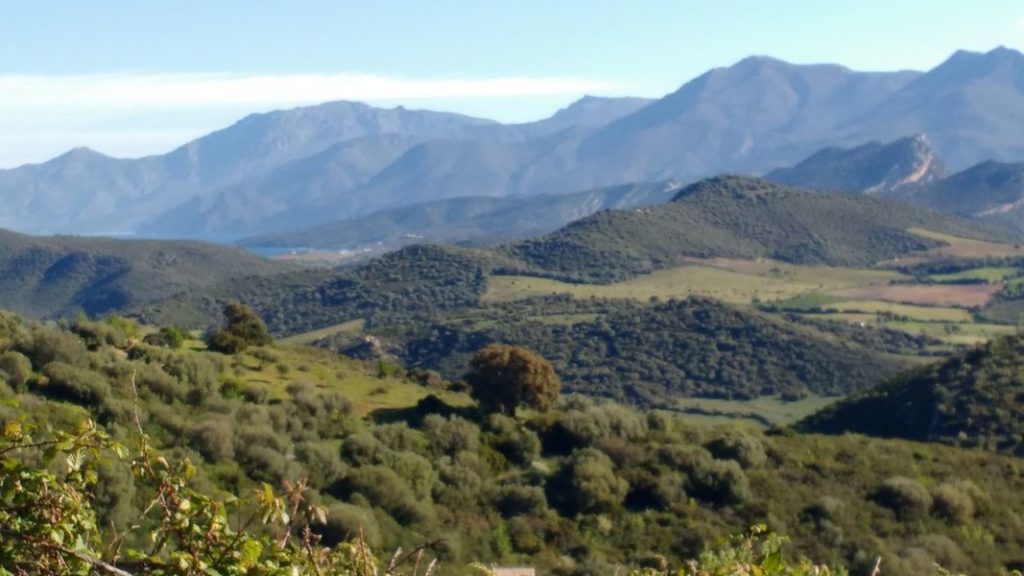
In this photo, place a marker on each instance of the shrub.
(383, 488)
(451, 435)
(513, 440)
(320, 462)
(74, 384)
(740, 446)
(214, 439)
(953, 503)
(346, 522)
(45, 345)
(243, 328)
(587, 483)
(17, 368)
(719, 482)
(515, 500)
(904, 496)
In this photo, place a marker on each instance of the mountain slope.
(969, 106)
(58, 276)
(974, 399)
(84, 191)
(749, 117)
(285, 197)
(737, 217)
(991, 189)
(872, 168)
(470, 219)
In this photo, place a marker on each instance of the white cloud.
(23, 93)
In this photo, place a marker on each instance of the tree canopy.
(503, 377)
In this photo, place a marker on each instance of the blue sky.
(138, 77)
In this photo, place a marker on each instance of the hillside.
(413, 282)
(872, 168)
(49, 277)
(475, 219)
(973, 399)
(654, 355)
(992, 191)
(738, 217)
(584, 488)
(967, 106)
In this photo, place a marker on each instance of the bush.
(45, 345)
(214, 439)
(17, 368)
(346, 522)
(451, 435)
(74, 384)
(320, 462)
(382, 488)
(587, 483)
(740, 446)
(904, 496)
(513, 440)
(515, 500)
(719, 482)
(167, 337)
(953, 503)
(243, 328)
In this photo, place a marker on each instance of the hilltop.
(739, 217)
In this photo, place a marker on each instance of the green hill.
(738, 217)
(409, 283)
(585, 488)
(654, 355)
(974, 399)
(56, 276)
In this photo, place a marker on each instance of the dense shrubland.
(648, 355)
(578, 489)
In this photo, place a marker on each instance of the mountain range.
(297, 168)
(909, 170)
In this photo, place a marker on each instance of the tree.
(502, 377)
(243, 328)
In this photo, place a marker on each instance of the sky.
(130, 78)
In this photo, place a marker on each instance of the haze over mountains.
(292, 169)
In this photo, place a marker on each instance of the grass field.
(965, 247)
(758, 412)
(963, 295)
(352, 326)
(325, 369)
(991, 275)
(736, 281)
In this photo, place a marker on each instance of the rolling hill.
(973, 399)
(48, 277)
(738, 217)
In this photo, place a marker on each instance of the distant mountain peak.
(871, 168)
